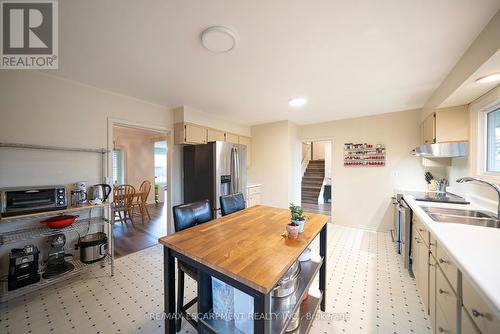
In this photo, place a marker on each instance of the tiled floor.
(368, 292)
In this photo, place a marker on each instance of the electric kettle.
(101, 191)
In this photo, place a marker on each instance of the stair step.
(310, 192)
(313, 176)
(315, 187)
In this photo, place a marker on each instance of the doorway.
(316, 187)
(141, 160)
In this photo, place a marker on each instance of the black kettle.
(101, 191)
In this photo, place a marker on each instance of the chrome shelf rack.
(80, 267)
(24, 234)
(43, 231)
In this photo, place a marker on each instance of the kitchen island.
(248, 251)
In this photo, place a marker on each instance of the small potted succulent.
(297, 216)
(292, 230)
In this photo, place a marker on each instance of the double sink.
(460, 216)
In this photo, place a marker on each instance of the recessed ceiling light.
(489, 78)
(297, 101)
(218, 39)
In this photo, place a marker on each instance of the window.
(118, 166)
(160, 148)
(493, 141)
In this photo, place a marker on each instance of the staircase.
(312, 181)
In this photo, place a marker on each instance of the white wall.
(276, 162)
(36, 108)
(483, 47)
(328, 160)
(361, 197)
(464, 166)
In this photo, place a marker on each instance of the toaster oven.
(24, 200)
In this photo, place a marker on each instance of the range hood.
(442, 150)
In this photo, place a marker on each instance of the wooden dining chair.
(141, 201)
(123, 197)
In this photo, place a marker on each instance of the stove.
(438, 197)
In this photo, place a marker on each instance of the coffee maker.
(56, 265)
(79, 193)
(23, 267)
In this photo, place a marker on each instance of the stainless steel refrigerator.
(213, 170)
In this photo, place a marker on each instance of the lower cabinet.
(451, 300)
(468, 326)
(420, 264)
(481, 313)
(253, 195)
(447, 305)
(432, 291)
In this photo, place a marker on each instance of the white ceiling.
(349, 58)
(470, 89)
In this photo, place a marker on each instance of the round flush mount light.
(218, 39)
(489, 78)
(297, 101)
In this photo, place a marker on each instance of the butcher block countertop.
(247, 245)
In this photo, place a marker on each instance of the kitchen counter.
(248, 251)
(474, 249)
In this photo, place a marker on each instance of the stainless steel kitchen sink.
(459, 216)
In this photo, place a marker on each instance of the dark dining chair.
(186, 216)
(232, 203)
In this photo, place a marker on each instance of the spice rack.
(364, 155)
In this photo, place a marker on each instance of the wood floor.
(324, 209)
(130, 238)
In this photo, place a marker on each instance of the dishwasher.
(401, 234)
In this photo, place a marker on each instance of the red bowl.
(60, 221)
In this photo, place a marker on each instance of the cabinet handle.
(442, 261)
(477, 314)
(421, 230)
(418, 241)
(441, 291)
(442, 330)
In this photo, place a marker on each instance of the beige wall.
(294, 164)
(276, 162)
(361, 196)
(139, 156)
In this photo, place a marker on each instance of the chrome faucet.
(493, 185)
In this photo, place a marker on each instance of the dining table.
(249, 251)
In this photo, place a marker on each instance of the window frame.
(480, 148)
(123, 163)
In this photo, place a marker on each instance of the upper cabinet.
(232, 138)
(216, 135)
(190, 134)
(429, 129)
(446, 125)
